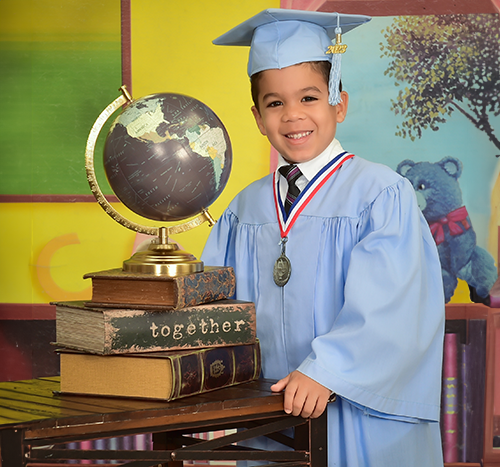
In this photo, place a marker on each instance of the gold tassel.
(338, 48)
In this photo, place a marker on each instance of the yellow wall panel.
(71, 20)
(50, 246)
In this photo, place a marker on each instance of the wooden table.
(35, 424)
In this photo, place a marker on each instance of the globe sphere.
(167, 156)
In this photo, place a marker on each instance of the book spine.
(212, 325)
(474, 384)
(85, 445)
(214, 368)
(450, 398)
(213, 285)
(462, 350)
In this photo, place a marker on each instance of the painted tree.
(449, 63)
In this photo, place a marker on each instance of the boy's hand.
(303, 395)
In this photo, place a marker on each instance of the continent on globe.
(167, 156)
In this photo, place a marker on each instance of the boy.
(337, 257)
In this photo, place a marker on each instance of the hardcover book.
(122, 330)
(115, 287)
(160, 375)
(463, 390)
(450, 399)
(473, 390)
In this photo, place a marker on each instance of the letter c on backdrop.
(45, 279)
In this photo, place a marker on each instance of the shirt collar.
(310, 168)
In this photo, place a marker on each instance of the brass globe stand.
(162, 257)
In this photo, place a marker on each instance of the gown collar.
(310, 168)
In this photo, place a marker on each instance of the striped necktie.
(291, 173)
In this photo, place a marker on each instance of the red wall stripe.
(27, 311)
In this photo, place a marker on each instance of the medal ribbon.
(307, 194)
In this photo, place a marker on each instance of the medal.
(282, 267)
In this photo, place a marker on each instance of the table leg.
(11, 448)
(161, 441)
(312, 437)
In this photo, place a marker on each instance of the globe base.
(163, 259)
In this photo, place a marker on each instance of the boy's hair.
(322, 67)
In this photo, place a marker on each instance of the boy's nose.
(292, 112)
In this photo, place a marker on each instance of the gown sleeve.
(384, 350)
(217, 250)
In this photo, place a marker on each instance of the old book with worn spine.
(115, 287)
(123, 330)
(161, 375)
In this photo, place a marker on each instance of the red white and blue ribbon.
(306, 195)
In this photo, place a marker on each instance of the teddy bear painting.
(440, 199)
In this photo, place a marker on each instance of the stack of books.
(157, 337)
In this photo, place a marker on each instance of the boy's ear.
(342, 107)
(258, 120)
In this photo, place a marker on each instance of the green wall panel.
(50, 96)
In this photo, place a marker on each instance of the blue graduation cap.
(279, 38)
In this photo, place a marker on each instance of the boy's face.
(295, 114)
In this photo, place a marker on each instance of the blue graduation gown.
(362, 313)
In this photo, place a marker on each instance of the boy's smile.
(294, 112)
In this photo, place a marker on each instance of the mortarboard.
(279, 38)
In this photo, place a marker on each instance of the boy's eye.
(309, 99)
(274, 104)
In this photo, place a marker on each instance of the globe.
(167, 156)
